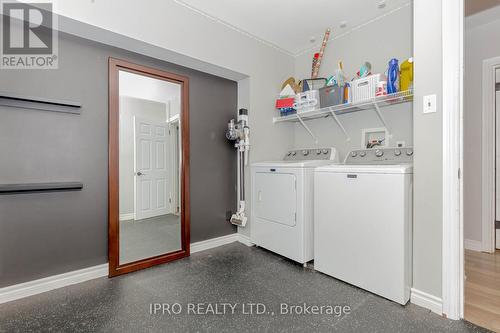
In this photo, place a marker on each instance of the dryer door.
(276, 197)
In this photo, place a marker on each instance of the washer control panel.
(380, 156)
(311, 154)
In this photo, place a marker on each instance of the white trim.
(473, 245)
(30, 288)
(427, 301)
(126, 217)
(233, 27)
(488, 155)
(39, 286)
(214, 242)
(245, 240)
(453, 245)
(334, 37)
(279, 48)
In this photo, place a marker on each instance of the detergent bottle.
(393, 77)
(406, 78)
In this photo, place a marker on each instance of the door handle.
(140, 173)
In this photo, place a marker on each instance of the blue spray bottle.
(393, 77)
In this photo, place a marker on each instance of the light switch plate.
(430, 102)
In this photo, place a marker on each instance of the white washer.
(363, 221)
(282, 205)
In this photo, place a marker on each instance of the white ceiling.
(144, 87)
(290, 24)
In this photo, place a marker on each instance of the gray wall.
(52, 233)
(428, 143)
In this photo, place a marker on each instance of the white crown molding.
(353, 29)
(232, 27)
(270, 44)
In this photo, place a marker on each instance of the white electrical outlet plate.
(430, 102)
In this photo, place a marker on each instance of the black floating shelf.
(36, 103)
(40, 187)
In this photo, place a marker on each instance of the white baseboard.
(473, 245)
(34, 287)
(245, 240)
(126, 217)
(425, 300)
(30, 288)
(214, 242)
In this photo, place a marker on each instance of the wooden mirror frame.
(115, 66)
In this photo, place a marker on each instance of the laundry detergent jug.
(393, 77)
(406, 76)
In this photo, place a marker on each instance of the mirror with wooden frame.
(148, 167)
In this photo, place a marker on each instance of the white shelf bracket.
(334, 117)
(307, 128)
(381, 117)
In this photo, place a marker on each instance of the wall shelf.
(334, 111)
(40, 187)
(37, 103)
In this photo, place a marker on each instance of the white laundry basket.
(365, 88)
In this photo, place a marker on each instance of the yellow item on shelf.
(406, 76)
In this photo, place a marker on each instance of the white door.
(276, 200)
(497, 113)
(151, 173)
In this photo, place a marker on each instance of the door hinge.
(295, 217)
(170, 200)
(459, 173)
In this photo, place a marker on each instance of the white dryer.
(282, 202)
(363, 221)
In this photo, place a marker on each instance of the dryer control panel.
(311, 154)
(380, 156)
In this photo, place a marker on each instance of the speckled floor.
(233, 274)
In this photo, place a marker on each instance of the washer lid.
(292, 164)
(380, 169)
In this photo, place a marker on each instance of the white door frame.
(174, 151)
(453, 238)
(489, 155)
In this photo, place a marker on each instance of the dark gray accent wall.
(43, 234)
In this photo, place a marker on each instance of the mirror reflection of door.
(149, 111)
(149, 226)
